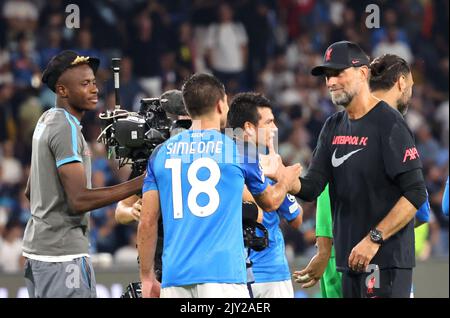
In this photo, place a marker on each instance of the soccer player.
(195, 180)
(391, 81)
(367, 155)
(55, 242)
(252, 113)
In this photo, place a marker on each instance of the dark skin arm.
(311, 274)
(82, 199)
(295, 223)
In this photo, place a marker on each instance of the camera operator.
(129, 209)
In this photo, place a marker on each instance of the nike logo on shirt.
(336, 162)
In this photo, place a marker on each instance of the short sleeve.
(63, 141)
(289, 209)
(253, 173)
(150, 179)
(324, 223)
(423, 213)
(398, 149)
(321, 159)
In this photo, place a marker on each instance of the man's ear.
(61, 90)
(364, 72)
(401, 83)
(220, 106)
(249, 129)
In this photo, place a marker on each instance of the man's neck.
(361, 104)
(386, 96)
(205, 123)
(62, 103)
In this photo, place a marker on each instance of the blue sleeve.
(150, 180)
(445, 199)
(289, 209)
(253, 174)
(423, 213)
(254, 178)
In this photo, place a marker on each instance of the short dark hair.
(386, 70)
(244, 107)
(201, 92)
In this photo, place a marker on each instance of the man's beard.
(343, 99)
(402, 104)
(402, 107)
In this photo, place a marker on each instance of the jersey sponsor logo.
(410, 154)
(350, 140)
(294, 206)
(336, 162)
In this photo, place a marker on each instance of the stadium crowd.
(264, 45)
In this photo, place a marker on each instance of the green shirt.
(324, 222)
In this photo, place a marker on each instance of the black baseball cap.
(341, 55)
(61, 62)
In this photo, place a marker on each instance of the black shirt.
(361, 159)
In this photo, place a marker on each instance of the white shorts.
(282, 289)
(208, 290)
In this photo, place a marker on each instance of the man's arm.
(400, 215)
(412, 186)
(312, 273)
(147, 237)
(273, 196)
(82, 199)
(297, 222)
(247, 197)
(128, 210)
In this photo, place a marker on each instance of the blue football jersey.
(270, 264)
(200, 176)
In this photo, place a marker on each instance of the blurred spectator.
(52, 46)
(227, 49)
(296, 149)
(11, 259)
(7, 121)
(392, 45)
(145, 50)
(11, 167)
(21, 16)
(427, 146)
(25, 63)
(186, 54)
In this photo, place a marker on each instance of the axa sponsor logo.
(410, 154)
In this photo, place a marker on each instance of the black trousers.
(384, 283)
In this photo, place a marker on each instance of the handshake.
(273, 168)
